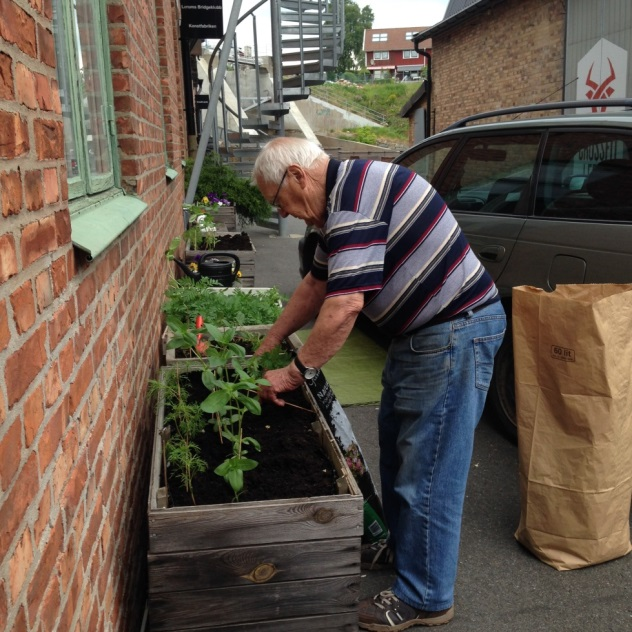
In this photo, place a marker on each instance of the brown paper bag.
(573, 364)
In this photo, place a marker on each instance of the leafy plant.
(232, 394)
(186, 299)
(250, 205)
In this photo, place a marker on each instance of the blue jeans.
(435, 384)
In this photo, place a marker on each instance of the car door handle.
(492, 253)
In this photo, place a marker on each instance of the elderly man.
(389, 247)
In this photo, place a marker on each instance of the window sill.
(93, 229)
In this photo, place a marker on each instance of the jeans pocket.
(485, 349)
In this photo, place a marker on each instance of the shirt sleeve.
(351, 255)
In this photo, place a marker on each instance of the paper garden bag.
(573, 366)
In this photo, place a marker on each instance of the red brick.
(23, 366)
(43, 291)
(8, 258)
(43, 516)
(10, 450)
(38, 239)
(3, 409)
(50, 605)
(59, 274)
(51, 186)
(51, 437)
(23, 303)
(33, 190)
(66, 360)
(46, 46)
(18, 27)
(14, 135)
(5, 334)
(61, 321)
(25, 86)
(52, 384)
(81, 383)
(49, 139)
(6, 78)
(17, 501)
(33, 415)
(19, 564)
(10, 192)
(53, 548)
(62, 226)
(74, 490)
(4, 607)
(86, 293)
(45, 98)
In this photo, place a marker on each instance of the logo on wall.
(602, 73)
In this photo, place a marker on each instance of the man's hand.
(281, 381)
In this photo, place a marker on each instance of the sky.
(388, 14)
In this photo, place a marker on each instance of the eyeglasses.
(276, 195)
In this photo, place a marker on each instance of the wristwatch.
(308, 372)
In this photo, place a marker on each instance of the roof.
(457, 12)
(414, 99)
(396, 39)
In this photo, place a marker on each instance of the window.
(380, 55)
(492, 174)
(380, 37)
(99, 212)
(427, 161)
(586, 176)
(86, 108)
(411, 54)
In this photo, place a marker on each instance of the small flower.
(239, 274)
(205, 200)
(193, 266)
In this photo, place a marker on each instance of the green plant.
(250, 205)
(232, 394)
(201, 233)
(185, 299)
(183, 423)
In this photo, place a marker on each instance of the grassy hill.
(387, 98)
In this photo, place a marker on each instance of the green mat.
(354, 373)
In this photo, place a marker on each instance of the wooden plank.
(343, 622)
(250, 604)
(263, 522)
(253, 564)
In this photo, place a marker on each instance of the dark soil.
(292, 463)
(236, 241)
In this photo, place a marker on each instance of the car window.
(491, 174)
(427, 160)
(586, 176)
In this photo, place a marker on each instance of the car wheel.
(502, 390)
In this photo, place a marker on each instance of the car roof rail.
(537, 107)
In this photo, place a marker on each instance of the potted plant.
(250, 563)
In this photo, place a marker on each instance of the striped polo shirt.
(390, 235)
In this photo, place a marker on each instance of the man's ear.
(297, 172)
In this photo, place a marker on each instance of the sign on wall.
(202, 20)
(602, 73)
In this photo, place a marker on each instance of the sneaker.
(385, 613)
(377, 556)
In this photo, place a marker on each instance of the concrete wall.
(79, 339)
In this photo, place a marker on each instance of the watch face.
(310, 373)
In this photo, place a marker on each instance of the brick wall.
(509, 55)
(79, 339)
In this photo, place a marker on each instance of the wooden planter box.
(246, 261)
(289, 565)
(226, 218)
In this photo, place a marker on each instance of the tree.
(356, 20)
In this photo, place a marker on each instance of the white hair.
(278, 154)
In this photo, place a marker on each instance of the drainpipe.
(429, 64)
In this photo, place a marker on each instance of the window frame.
(381, 55)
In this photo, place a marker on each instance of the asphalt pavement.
(501, 587)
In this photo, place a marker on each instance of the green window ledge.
(95, 228)
(171, 174)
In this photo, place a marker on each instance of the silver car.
(543, 201)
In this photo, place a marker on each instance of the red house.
(390, 53)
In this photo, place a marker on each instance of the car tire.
(502, 390)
